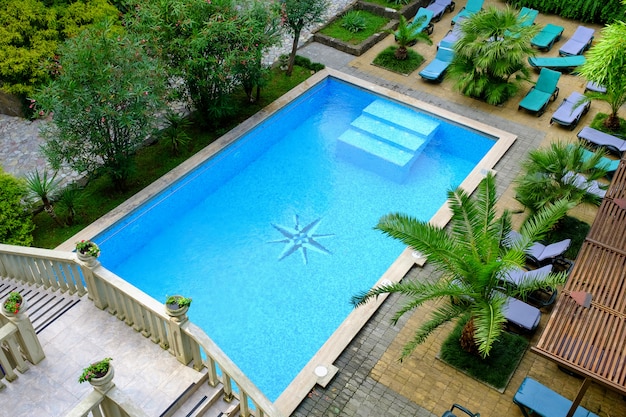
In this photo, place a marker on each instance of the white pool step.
(386, 138)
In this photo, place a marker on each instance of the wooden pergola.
(586, 332)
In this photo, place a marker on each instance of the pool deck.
(371, 381)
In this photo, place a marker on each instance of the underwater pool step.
(389, 133)
(396, 115)
(367, 151)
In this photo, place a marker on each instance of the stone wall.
(10, 105)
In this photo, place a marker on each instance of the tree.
(30, 32)
(606, 66)
(490, 57)
(548, 175)
(16, 225)
(103, 103)
(44, 188)
(471, 259)
(407, 36)
(297, 15)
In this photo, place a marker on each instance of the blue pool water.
(228, 233)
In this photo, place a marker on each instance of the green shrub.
(593, 11)
(388, 60)
(16, 225)
(353, 21)
(305, 62)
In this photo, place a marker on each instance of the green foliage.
(490, 57)
(95, 370)
(70, 199)
(547, 175)
(87, 247)
(30, 33)
(16, 225)
(387, 59)
(470, 258)
(41, 187)
(606, 65)
(593, 11)
(406, 36)
(99, 121)
(496, 370)
(178, 300)
(569, 228)
(305, 62)
(599, 123)
(297, 15)
(353, 21)
(373, 24)
(175, 132)
(13, 302)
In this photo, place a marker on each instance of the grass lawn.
(389, 3)
(387, 60)
(497, 369)
(373, 24)
(598, 124)
(98, 197)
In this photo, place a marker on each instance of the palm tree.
(490, 57)
(44, 188)
(471, 259)
(406, 36)
(606, 66)
(548, 178)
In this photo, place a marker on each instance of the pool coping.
(306, 379)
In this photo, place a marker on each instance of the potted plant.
(99, 374)
(87, 251)
(176, 305)
(13, 304)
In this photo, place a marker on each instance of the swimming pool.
(272, 235)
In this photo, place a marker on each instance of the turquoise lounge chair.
(544, 91)
(473, 6)
(607, 164)
(436, 69)
(421, 22)
(546, 38)
(559, 63)
(526, 17)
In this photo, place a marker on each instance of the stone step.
(391, 134)
(403, 117)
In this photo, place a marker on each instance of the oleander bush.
(592, 11)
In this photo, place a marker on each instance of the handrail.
(189, 343)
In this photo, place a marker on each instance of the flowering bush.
(95, 370)
(13, 303)
(87, 247)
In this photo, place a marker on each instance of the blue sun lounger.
(521, 315)
(439, 7)
(595, 87)
(578, 43)
(473, 6)
(421, 22)
(557, 63)
(451, 37)
(534, 398)
(595, 137)
(581, 182)
(607, 164)
(526, 17)
(545, 39)
(436, 69)
(544, 91)
(569, 112)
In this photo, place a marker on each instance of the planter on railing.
(99, 375)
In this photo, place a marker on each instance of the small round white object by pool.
(321, 371)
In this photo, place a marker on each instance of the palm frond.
(489, 321)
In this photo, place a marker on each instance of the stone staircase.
(202, 400)
(387, 139)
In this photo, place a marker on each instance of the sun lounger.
(517, 276)
(473, 6)
(558, 63)
(421, 22)
(436, 69)
(540, 254)
(597, 138)
(569, 112)
(607, 164)
(579, 180)
(546, 38)
(534, 398)
(451, 37)
(578, 43)
(526, 17)
(439, 7)
(521, 315)
(594, 87)
(450, 413)
(544, 91)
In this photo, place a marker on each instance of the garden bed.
(379, 8)
(347, 46)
